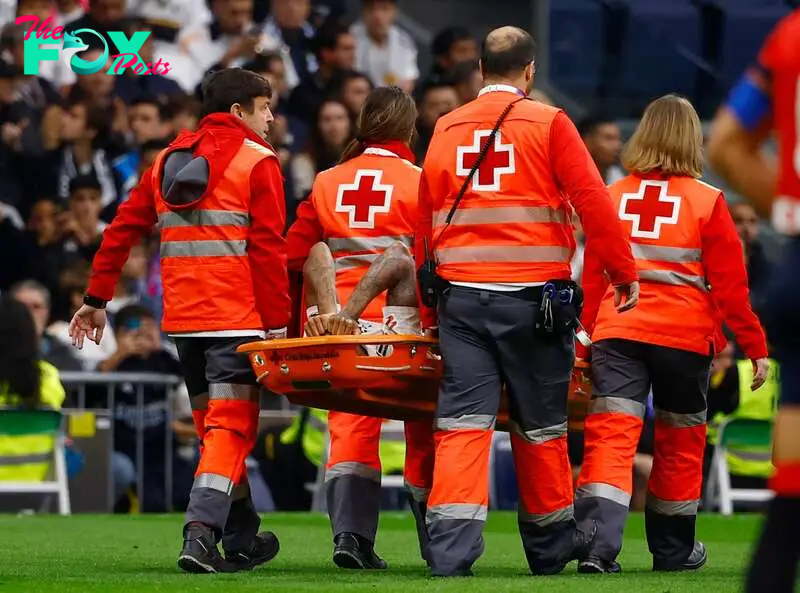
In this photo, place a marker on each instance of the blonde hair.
(669, 139)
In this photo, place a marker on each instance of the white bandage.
(402, 320)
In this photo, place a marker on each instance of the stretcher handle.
(287, 343)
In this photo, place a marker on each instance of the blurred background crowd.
(73, 146)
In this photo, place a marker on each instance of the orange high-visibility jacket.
(205, 269)
(513, 225)
(690, 264)
(358, 208)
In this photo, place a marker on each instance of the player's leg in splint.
(224, 399)
(394, 273)
(774, 567)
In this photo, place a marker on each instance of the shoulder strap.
(471, 174)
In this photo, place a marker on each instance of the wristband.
(94, 302)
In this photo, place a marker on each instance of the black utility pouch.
(559, 309)
(429, 283)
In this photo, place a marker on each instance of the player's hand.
(581, 373)
(760, 372)
(626, 296)
(341, 325)
(276, 334)
(317, 325)
(431, 332)
(89, 323)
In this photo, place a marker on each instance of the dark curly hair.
(19, 352)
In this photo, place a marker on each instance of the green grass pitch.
(106, 554)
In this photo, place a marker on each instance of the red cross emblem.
(649, 208)
(364, 198)
(498, 161)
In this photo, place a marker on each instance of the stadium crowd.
(73, 146)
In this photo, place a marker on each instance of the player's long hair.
(19, 361)
(669, 139)
(389, 114)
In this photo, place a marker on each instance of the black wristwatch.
(94, 302)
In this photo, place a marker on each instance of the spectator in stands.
(139, 350)
(80, 226)
(149, 151)
(131, 285)
(386, 53)
(103, 16)
(185, 110)
(352, 88)
(13, 168)
(333, 129)
(467, 80)
(289, 33)
(84, 132)
(603, 138)
(229, 40)
(335, 49)
(437, 100)
(129, 86)
(36, 298)
(26, 382)
(57, 72)
(451, 47)
(759, 268)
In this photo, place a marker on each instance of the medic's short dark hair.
(505, 53)
(224, 88)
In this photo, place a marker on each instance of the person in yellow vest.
(289, 459)
(730, 392)
(26, 382)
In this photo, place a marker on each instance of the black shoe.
(696, 559)
(594, 565)
(264, 547)
(353, 551)
(200, 554)
(582, 541)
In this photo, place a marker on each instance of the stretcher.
(335, 373)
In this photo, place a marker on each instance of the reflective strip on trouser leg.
(675, 484)
(353, 474)
(546, 521)
(418, 475)
(459, 498)
(243, 520)
(611, 434)
(231, 426)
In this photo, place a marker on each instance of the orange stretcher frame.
(334, 373)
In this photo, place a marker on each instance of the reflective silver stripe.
(458, 511)
(546, 519)
(168, 220)
(502, 215)
(607, 491)
(681, 420)
(213, 248)
(25, 459)
(199, 402)
(417, 493)
(355, 261)
(672, 508)
(502, 253)
(316, 423)
(467, 422)
(233, 391)
(616, 405)
(352, 468)
(750, 455)
(674, 278)
(540, 435)
(352, 244)
(213, 482)
(676, 255)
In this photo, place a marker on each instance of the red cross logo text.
(364, 198)
(498, 161)
(649, 208)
